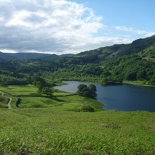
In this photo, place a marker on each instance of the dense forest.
(105, 65)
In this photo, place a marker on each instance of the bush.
(87, 108)
(2, 98)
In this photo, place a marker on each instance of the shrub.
(87, 108)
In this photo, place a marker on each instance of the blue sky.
(72, 26)
(130, 13)
(131, 18)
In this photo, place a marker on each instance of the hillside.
(55, 125)
(114, 64)
(47, 131)
(29, 56)
(106, 65)
(144, 46)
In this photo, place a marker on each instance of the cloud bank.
(51, 26)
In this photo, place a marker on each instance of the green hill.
(114, 64)
(106, 65)
(137, 46)
(43, 125)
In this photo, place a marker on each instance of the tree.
(39, 85)
(47, 91)
(152, 80)
(87, 91)
(18, 102)
(92, 91)
(83, 90)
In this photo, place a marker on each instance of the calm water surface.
(122, 97)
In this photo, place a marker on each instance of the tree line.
(106, 71)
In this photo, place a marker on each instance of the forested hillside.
(30, 56)
(106, 65)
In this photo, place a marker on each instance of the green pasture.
(20, 90)
(30, 98)
(55, 126)
(57, 132)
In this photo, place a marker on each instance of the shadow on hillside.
(40, 95)
(56, 99)
(72, 94)
(30, 95)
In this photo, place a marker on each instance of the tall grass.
(54, 126)
(47, 131)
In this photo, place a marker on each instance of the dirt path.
(9, 103)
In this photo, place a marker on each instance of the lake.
(120, 97)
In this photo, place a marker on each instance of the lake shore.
(123, 97)
(138, 83)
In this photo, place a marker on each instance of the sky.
(72, 26)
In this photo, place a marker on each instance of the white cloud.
(52, 26)
(123, 28)
(49, 26)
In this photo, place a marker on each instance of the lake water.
(121, 97)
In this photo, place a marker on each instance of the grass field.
(30, 98)
(56, 132)
(55, 127)
(3, 102)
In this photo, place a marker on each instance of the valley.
(52, 121)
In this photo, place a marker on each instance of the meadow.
(30, 98)
(55, 126)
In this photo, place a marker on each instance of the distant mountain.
(5, 56)
(145, 47)
(28, 56)
(105, 65)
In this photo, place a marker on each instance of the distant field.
(137, 83)
(20, 90)
(30, 98)
(17, 91)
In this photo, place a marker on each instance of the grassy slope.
(47, 131)
(60, 100)
(58, 129)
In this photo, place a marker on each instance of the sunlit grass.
(30, 98)
(20, 90)
(49, 131)
(54, 126)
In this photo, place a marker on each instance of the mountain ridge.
(28, 56)
(107, 65)
(137, 46)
